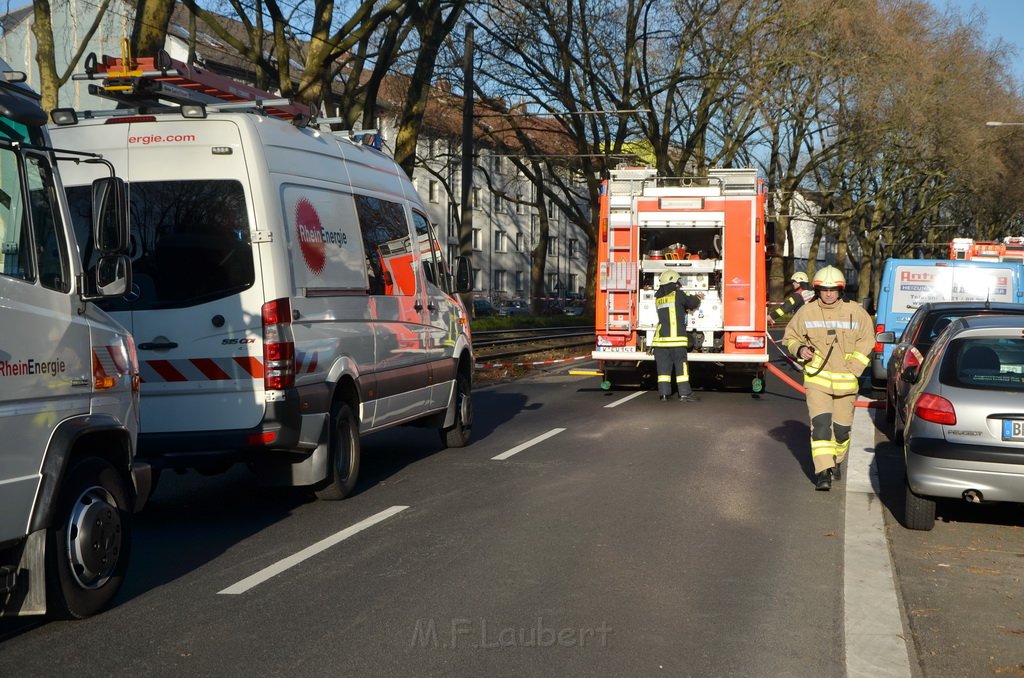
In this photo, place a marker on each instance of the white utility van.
(289, 291)
(69, 482)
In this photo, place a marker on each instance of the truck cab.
(69, 483)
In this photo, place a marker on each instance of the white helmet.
(799, 277)
(829, 278)
(668, 277)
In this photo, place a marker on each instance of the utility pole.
(466, 222)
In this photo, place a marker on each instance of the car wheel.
(457, 435)
(89, 542)
(918, 512)
(344, 459)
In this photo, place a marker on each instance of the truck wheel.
(918, 512)
(344, 451)
(90, 540)
(457, 435)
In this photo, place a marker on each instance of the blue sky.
(1004, 19)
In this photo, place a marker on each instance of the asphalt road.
(641, 539)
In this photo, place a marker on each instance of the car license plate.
(1013, 429)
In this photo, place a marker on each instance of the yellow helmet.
(668, 277)
(799, 277)
(829, 278)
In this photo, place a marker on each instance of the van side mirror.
(110, 214)
(112, 277)
(463, 275)
(886, 337)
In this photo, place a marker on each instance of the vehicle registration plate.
(1013, 429)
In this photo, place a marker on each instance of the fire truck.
(1010, 248)
(709, 229)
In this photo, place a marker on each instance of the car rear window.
(190, 242)
(995, 363)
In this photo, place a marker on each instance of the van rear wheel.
(89, 542)
(457, 435)
(343, 469)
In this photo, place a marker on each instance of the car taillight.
(911, 358)
(278, 345)
(935, 409)
(878, 344)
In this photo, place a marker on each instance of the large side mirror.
(463, 275)
(886, 337)
(110, 215)
(910, 374)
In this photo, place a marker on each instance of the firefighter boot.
(837, 472)
(823, 480)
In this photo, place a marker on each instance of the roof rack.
(147, 82)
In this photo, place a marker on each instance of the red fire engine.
(711, 231)
(1011, 248)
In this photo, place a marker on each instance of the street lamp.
(998, 123)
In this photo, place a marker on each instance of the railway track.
(501, 344)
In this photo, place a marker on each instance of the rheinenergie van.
(908, 283)
(289, 290)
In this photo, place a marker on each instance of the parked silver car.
(964, 434)
(924, 327)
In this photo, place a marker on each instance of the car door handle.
(157, 346)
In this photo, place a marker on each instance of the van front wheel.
(343, 444)
(457, 435)
(89, 542)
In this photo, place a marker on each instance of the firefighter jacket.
(794, 301)
(841, 336)
(672, 304)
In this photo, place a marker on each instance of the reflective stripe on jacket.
(672, 305)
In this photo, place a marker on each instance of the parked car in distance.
(513, 307)
(575, 308)
(965, 424)
(483, 308)
(920, 333)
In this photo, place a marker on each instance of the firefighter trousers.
(667, 358)
(831, 420)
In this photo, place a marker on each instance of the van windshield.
(189, 242)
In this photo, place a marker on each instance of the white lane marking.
(308, 552)
(626, 399)
(529, 443)
(873, 625)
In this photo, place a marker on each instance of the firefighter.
(670, 340)
(832, 339)
(801, 294)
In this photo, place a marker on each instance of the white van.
(69, 482)
(289, 292)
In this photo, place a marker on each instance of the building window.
(499, 164)
(434, 191)
(552, 247)
(499, 280)
(497, 202)
(478, 239)
(500, 241)
(519, 242)
(574, 283)
(520, 281)
(475, 198)
(573, 246)
(520, 205)
(478, 278)
(551, 209)
(552, 282)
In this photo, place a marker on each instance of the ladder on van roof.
(149, 82)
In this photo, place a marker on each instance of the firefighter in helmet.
(832, 339)
(670, 340)
(800, 295)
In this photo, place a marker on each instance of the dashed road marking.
(308, 552)
(626, 399)
(529, 443)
